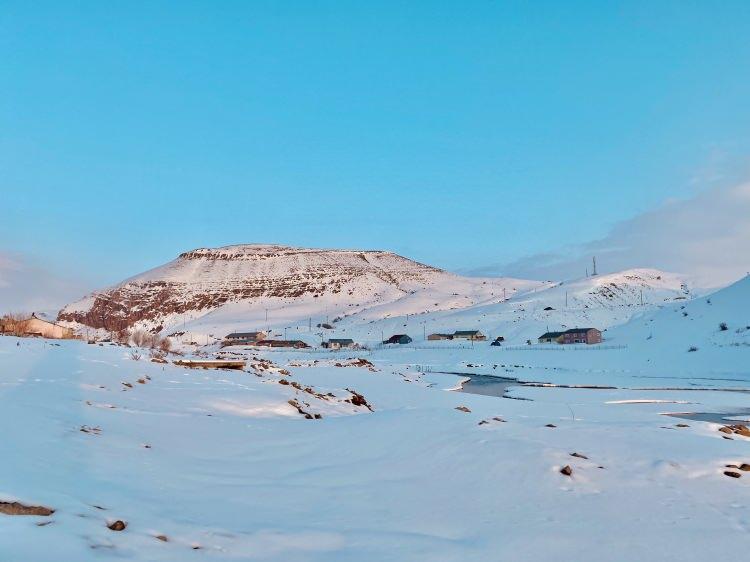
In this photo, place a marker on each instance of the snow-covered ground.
(223, 466)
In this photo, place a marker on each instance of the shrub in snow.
(692, 348)
(723, 327)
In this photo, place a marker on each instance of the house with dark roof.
(243, 338)
(399, 339)
(574, 335)
(295, 344)
(582, 335)
(474, 335)
(438, 337)
(550, 337)
(339, 343)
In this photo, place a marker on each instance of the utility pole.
(566, 299)
(594, 273)
(504, 297)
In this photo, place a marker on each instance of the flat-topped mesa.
(307, 256)
(206, 278)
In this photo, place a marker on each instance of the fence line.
(562, 347)
(380, 347)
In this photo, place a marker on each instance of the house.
(339, 343)
(243, 338)
(438, 337)
(551, 337)
(399, 339)
(35, 326)
(582, 335)
(474, 335)
(296, 344)
(574, 335)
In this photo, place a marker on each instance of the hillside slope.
(602, 301)
(710, 324)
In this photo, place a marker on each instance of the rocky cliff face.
(204, 279)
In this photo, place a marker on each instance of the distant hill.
(239, 284)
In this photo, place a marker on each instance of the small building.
(339, 343)
(498, 341)
(399, 339)
(295, 344)
(243, 338)
(37, 327)
(581, 335)
(438, 337)
(551, 337)
(474, 335)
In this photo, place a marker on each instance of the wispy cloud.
(28, 287)
(706, 236)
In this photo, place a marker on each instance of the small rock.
(732, 474)
(682, 425)
(743, 432)
(162, 538)
(483, 422)
(16, 508)
(579, 455)
(731, 466)
(550, 425)
(498, 419)
(727, 437)
(744, 467)
(462, 409)
(725, 429)
(566, 470)
(117, 525)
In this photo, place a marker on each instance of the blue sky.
(457, 133)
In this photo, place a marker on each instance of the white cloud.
(706, 236)
(28, 287)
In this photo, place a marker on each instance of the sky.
(474, 136)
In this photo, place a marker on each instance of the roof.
(397, 337)
(243, 334)
(466, 332)
(577, 330)
(341, 340)
(281, 343)
(547, 335)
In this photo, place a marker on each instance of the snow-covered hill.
(701, 327)
(601, 301)
(240, 285)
